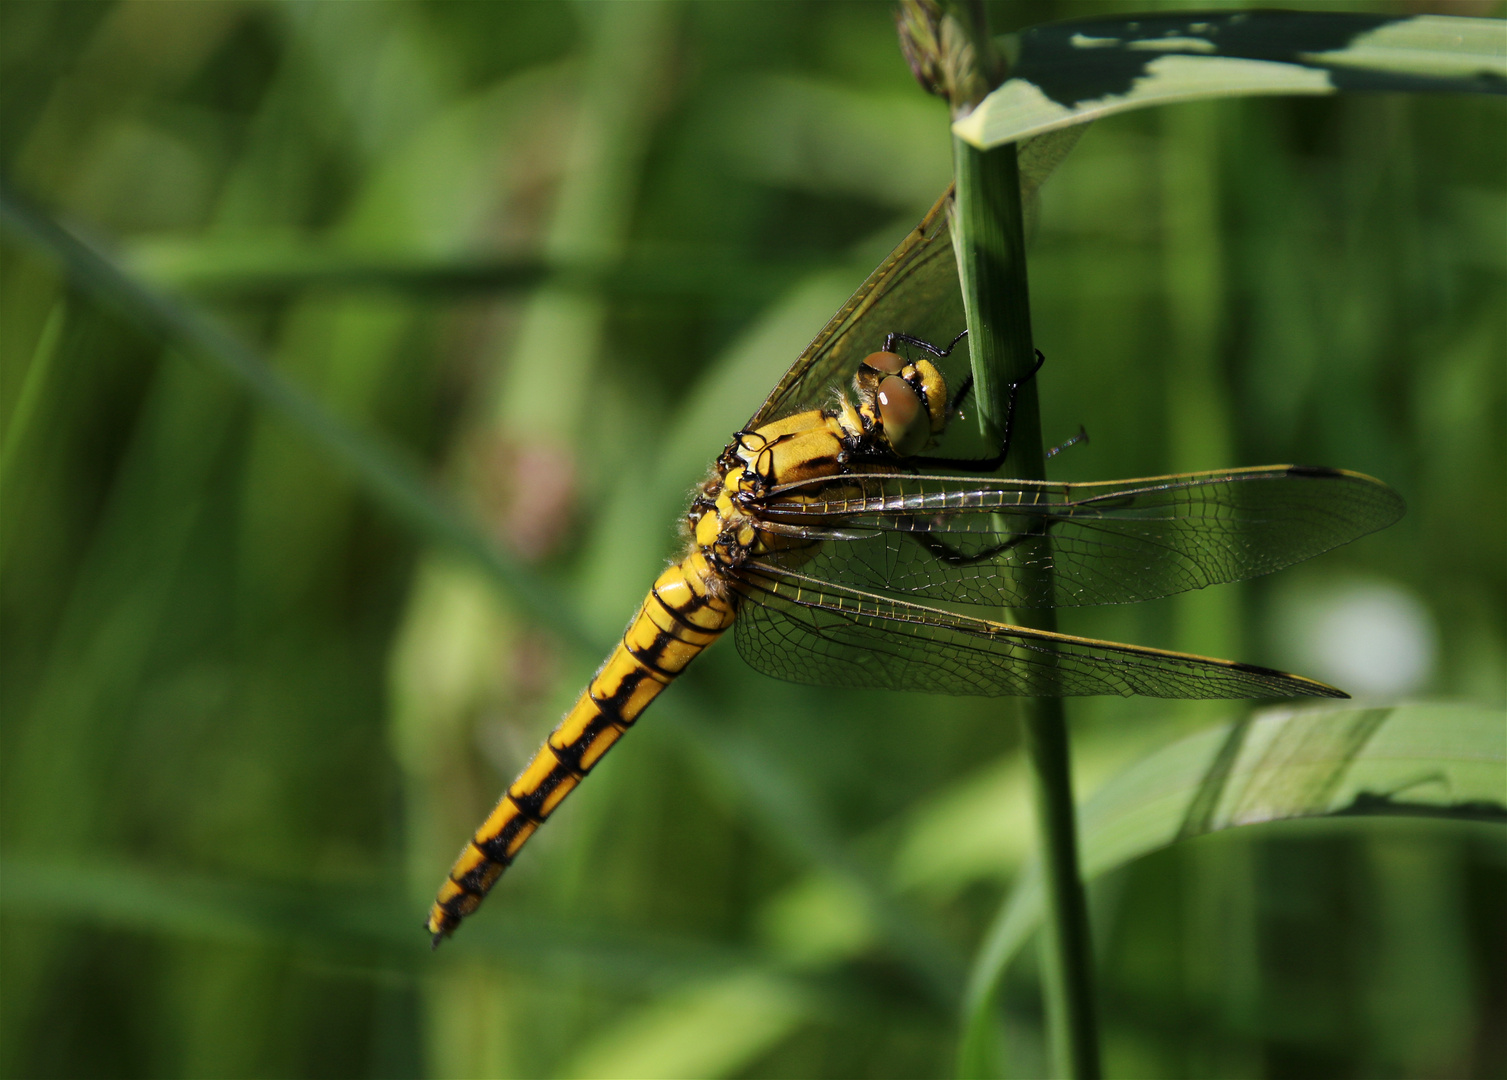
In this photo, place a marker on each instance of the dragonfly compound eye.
(887, 362)
(906, 423)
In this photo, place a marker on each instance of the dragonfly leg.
(989, 464)
(953, 557)
(891, 338)
(1081, 437)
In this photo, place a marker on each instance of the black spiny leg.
(890, 339)
(953, 557)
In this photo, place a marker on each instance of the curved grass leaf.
(1427, 760)
(1071, 72)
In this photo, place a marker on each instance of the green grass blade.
(1447, 761)
(19, 421)
(1071, 72)
(359, 923)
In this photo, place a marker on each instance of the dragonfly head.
(905, 400)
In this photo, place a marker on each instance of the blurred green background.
(557, 253)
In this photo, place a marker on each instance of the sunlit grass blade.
(1072, 72)
(1435, 761)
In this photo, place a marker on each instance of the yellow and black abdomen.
(681, 616)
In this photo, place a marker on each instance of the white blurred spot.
(1369, 637)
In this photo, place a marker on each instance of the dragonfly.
(842, 549)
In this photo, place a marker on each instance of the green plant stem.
(1068, 967)
(988, 232)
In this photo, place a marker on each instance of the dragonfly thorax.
(897, 407)
(809, 445)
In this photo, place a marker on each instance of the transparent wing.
(1025, 544)
(914, 291)
(802, 630)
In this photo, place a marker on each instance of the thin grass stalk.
(989, 234)
(34, 386)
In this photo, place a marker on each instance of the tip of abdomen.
(440, 924)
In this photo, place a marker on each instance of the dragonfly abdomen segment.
(685, 611)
